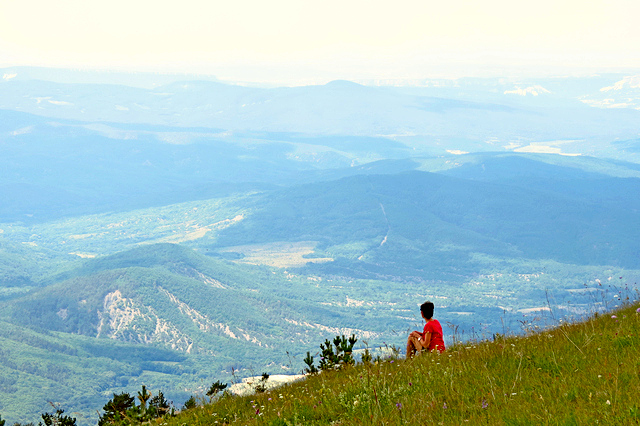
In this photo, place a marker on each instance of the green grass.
(579, 373)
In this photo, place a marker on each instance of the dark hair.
(427, 309)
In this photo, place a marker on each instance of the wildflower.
(410, 384)
(257, 411)
(391, 361)
(269, 399)
(638, 311)
(398, 405)
(444, 407)
(608, 402)
(613, 317)
(485, 404)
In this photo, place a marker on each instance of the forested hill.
(571, 220)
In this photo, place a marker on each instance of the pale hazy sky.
(298, 41)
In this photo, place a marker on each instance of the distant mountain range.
(471, 110)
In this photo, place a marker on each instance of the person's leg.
(410, 348)
(413, 346)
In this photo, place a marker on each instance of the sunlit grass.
(582, 373)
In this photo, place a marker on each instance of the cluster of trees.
(122, 410)
(57, 418)
(337, 355)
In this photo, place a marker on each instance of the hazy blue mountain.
(479, 115)
(600, 188)
(628, 146)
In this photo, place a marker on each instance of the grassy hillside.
(582, 373)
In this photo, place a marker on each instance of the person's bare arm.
(424, 341)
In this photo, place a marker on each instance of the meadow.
(574, 373)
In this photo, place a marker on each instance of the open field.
(278, 254)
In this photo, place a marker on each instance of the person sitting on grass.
(430, 338)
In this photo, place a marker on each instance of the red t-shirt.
(433, 326)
